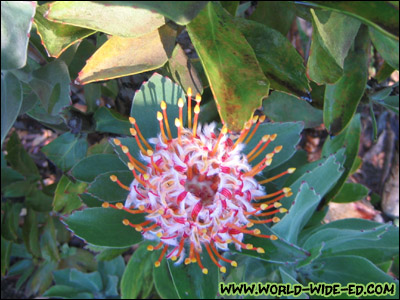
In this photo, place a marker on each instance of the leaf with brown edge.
(120, 56)
(236, 79)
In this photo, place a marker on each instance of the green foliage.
(245, 63)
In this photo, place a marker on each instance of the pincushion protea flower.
(198, 190)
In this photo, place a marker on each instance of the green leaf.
(38, 200)
(103, 188)
(115, 18)
(66, 150)
(285, 72)
(108, 254)
(288, 136)
(16, 23)
(30, 233)
(66, 196)
(41, 279)
(281, 107)
(5, 255)
(66, 292)
(56, 37)
(231, 66)
(102, 147)
(92, 96)
(114, 58)
(163, 282)
(147, 100)
(48, 241)
(230, 6)
(10, 220)
(288, 278)
(383, 16)
(11, 101)
(387, 47)
(336, 32)
(44, 82)
(300, 212)
(103, 227)
(138, 272)
(342, 98)
(184, 72)
(351, 192)
(90, 167)
(391, 103)
(108, 120)
(350, 139)
(278, 15)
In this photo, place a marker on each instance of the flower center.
(203, 187)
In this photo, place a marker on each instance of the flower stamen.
(261, 120)
(288, 171)
(133, 122)
(164, 111)
(189, 111)
(115, 179)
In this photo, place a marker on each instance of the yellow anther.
(125, 222)
(130, 166)
(189, 91)
(291, 170)
(256, 231)
(286, 190)
(163, 105)
(249, 246)
(250, 224)
(205, 271)
(277, 204)
(224, 130)
(177, 122)
(261, 119)
(260, 250)
(264, 206)
(150, 248)
(160, 211)
(273, 237)
(197, 109)
(150, 152)
(117, 142)
(289, 194)
(174, 258)
(119, 205)
(105, 205)
(138, 228)
(125, 149)
(180, 102)
(233, 263)
(187, 261)
(282, 210)
(132, 120)
(146, 176)
(159, 116)
(268, 162)
(273, 137)
(159, 234)
(278, 149)
(113, 178)
(255, 119)
(198, 98)
(133, 131)
(157, 264)
(141, 207)
(193, 260)
(222, 269)
(265, 138)
(275, 219)
(270, 155)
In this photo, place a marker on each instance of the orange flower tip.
(205, 271)
(177, 122)
(273, 237)
(286, 190)
(289, 194)
(249, 246)
(278, 149)
(187, 261)
(273, 137)
(193, 260)
(125, 222)
(125, 149)
(265, 138)
(250, 224)
(282, 210)
(132, 120)
(198, 98)
(157, 264)
(233, 263)
(159, 116)
(141, 207)
(130, 166)
(119, 205)
(117, 142)
(197, 109)
(268, 162)
(204, 230)
(275, 219)
(113, 178)
(160, 211)
(264, 206)
(138, 228)
(270, 155)
(146, 176)
(255, 119)
(159, 234)
(228, 241)
(180, 102)
(150, 248)
(163, 105)
(189, 91)
(277, 204)
(222, 269)
(133, 131)
(150, 152)
(105, 205)
(256, 231)
(224, 130)
(260, 250)
(291, 170)
(247, 126)
(174, 258)
(261, 119)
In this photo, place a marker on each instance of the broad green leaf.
(48, 241)
(163, 282)
(292, 223)
(30, 233)
(45, 80)
(90, 282)
(66, 196)
(90, 167)
(147, 100)
(121, 56)
(66, 292)
(281, 107)
(66, 150)
(41, 279)
(288, 278)
(288, 136)
(19, 159)
(6, 247)
(342, 98)
(382, 15)
(102, 147)
(284, 72)
(391, 103)
(184, 72)
(114, 18)
(20, 188)
(92, 96)
(230, 6)
(278, 15)
(236, 79)
(387, 47)
(83, 53)
(11, 101)
(108, 120)
(336, 32)
(108, 254)
(16, 23)
(10, 220)
(351, 192)
(103, 227)
(57, 37)
(104, 189)
(384, 72)
(38, 200)
(138, 272)
(350, 139)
